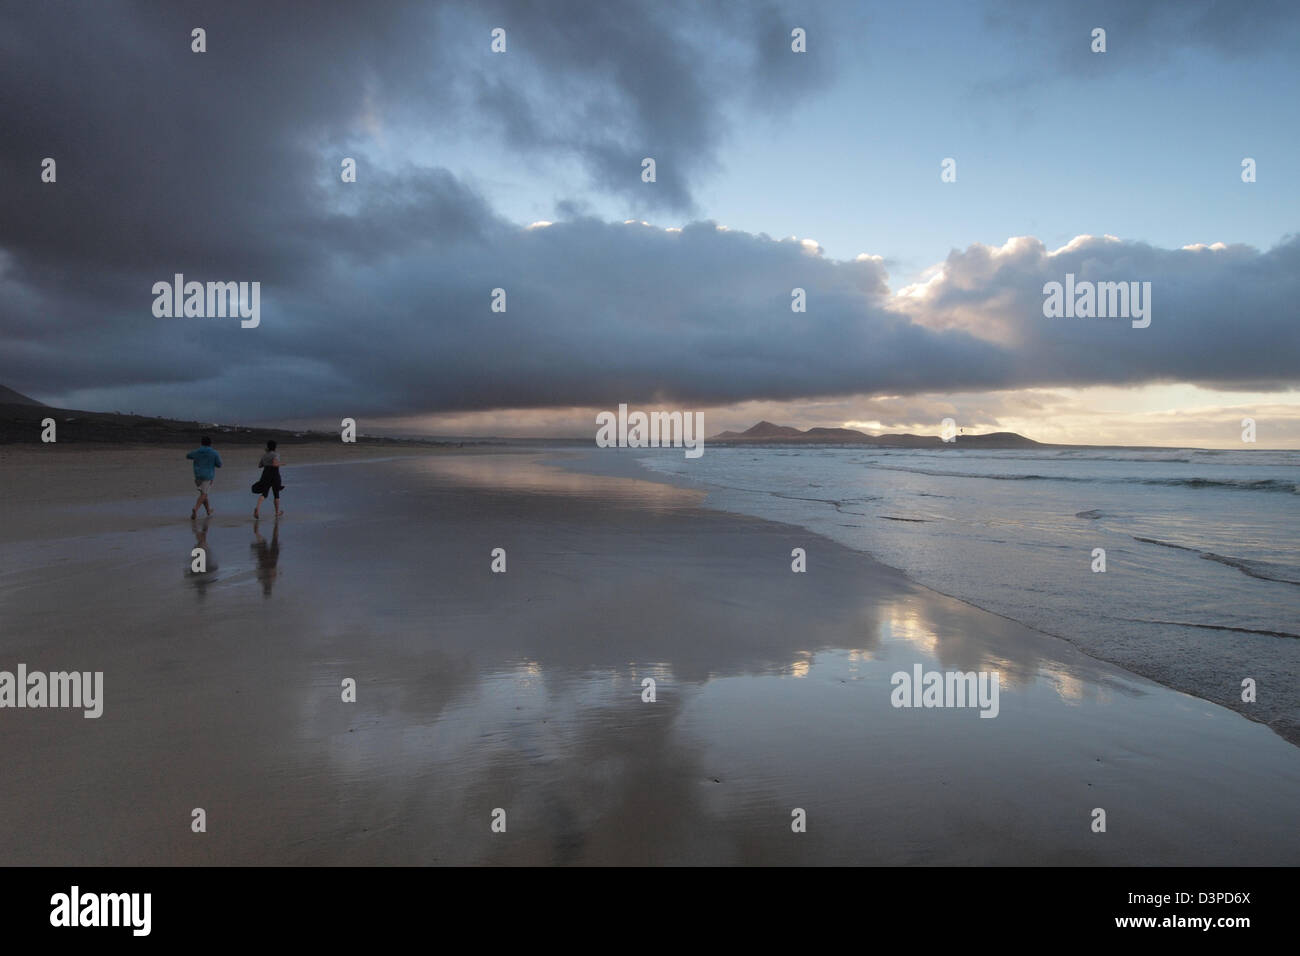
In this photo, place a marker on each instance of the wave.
(1123, 458)
(839, 504)
(1261, 484)
(1217, 627)
(1264, 570)
(1240, 484)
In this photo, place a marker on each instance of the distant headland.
(766, 433)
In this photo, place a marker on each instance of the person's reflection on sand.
(201, 579)
(267, 555)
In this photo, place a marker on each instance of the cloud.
(222, 160)
(599, 313)
(375, 295)
(611, 83)
(1221, 314)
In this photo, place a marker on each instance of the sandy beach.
(523, 691)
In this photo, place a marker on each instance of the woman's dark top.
(270, 480)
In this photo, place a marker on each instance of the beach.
(524, 691)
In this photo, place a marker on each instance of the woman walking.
(270, 482)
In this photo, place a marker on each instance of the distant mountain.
(833, 434)
(767, 433)
(763, 431)
(9, 397)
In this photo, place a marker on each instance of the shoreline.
(1286, 728)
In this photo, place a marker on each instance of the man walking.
(206, 461)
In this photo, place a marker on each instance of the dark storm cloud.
(169, 159)
(213, 161)
(601, 313)
(702, 316)
(375, 297)
(654, 80)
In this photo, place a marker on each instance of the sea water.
(1201, 587)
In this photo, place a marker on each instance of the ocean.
(1201, 587)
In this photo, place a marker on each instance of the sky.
(774, 170)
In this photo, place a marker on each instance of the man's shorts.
(203, 484)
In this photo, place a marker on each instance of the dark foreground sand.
(523, 691)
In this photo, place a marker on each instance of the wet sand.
(523, 690)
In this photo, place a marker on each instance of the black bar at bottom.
(333, 905)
